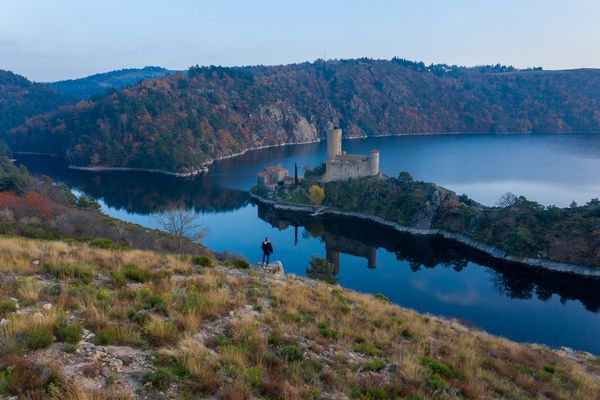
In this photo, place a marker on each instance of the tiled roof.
(263, 173)
(275, 168)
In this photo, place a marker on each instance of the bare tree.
(508, 199)
(182, 223)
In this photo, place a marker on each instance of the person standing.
(267, 249)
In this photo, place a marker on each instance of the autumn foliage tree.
(317, 194)
(32, 204)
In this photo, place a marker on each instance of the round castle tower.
(334, 143)
(374, 162)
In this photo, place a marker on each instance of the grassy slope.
(35, 207)
(185, 329)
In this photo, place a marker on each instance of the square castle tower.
(342, 166)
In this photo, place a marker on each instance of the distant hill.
(180, 121)
(21, 99)
(99, 84)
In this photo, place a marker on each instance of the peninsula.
(517, 230)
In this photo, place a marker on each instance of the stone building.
(342, 166)
(272, 175)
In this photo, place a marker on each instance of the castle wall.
(342, 166)
(342, 170)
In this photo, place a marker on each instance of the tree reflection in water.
(141, 192)
(362, 239)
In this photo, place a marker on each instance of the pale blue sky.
(47, 40)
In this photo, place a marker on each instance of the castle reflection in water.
(334, 243)
(364, 239)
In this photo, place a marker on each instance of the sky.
(48, 40)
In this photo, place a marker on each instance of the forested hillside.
(178, 122)
(100, 84)
(21, 99)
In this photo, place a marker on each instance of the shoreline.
(150, 170)
(538, 263)
(204, 167)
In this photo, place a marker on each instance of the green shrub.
(292, 353)
(367, 349)
(344, 308)
(374, 393)
(549, 368)
(160, 378)
(118, 278)
(383, 298)
(175, 366)
(377, 364)
(108, 244)
(203, 261)
(37, 338)
(67, 332)
(69, 347)
(275, 337)
(119, 335)
(40, 231)
(87, 203)
(241, 263)
(407, 334)
(104, 337)
(439, 372)
(292, 317)
(7, 306)
(327, 331)
(103, 294)
(152, 301)
(252, 375)
(321, 269)
(311, 369)
(134, 273)
(72, 272)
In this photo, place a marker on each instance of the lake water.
(425, 274)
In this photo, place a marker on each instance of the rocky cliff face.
(180, 122)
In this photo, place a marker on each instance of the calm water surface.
(428, 275)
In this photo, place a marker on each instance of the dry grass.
(246, 336)
(159, 331)
(407, 339)
(28, 290)
(75, 392)
(13, 334)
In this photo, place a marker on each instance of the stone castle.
(338, 167)
(342, 166)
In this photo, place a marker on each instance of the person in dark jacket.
(267, 249)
